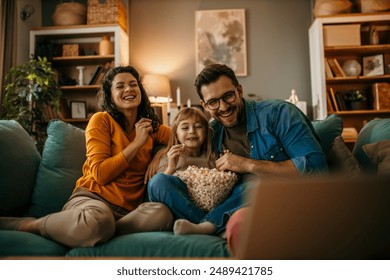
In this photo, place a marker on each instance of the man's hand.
(232, 162)
(263, 168)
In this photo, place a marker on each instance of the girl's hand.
(173, 158)
(142, 130)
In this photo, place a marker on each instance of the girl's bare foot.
(183, 226)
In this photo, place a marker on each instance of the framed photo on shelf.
(78, 109)
(373, 65)
(220, 37)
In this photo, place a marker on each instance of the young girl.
(190, 144)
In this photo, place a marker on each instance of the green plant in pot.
(32, 97)
(356, 100)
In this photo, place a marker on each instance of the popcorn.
(207, 187)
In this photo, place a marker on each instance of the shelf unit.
(87, 37)
(321, 84)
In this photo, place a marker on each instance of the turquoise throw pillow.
(374, 131)
(328, 129)
(62, 160)
(18, 168)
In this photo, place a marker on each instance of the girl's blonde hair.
(199, 116)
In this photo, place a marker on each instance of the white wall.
(24, 26)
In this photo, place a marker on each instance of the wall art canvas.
(221, 38)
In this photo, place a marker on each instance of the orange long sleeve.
(106, 171)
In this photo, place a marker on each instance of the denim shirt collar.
(251, 118)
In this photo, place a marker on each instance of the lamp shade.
(157, 87)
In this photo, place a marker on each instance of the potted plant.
(32, 97)
(355, 100)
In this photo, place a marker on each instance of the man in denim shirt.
(265, 138)
(260, 139)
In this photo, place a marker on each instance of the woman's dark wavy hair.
(145, 110)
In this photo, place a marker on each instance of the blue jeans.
(172, 191)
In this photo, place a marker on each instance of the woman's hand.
(142, 130)
(173, 158)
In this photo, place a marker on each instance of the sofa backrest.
(18, 168)
(62, 159)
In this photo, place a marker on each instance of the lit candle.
(188, 102)
(178, 97)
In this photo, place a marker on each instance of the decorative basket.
(331, 7)
(70, 13)
(374, 6)
(106, 12)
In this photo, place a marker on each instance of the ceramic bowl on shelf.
(352, 67)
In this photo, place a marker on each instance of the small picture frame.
(78, 109)
(373, 65)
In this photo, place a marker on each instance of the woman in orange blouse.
(109, 197)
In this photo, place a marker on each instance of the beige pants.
(86, 220)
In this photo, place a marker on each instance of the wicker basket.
(107, 12)
(331, 7)
(69, 13)
(374, 6)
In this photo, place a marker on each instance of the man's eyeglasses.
(228, 98)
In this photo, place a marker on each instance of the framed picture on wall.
(373, 65)
(221, 38)
(78, 109)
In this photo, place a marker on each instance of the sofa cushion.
(374, 131)
(17, 243)
(341, 161)
(328, 129)
(379, 154)
(18, 168)
(157, 244)
(62, 160)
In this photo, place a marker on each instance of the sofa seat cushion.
(62, 159)
(17, 243)
(374, 131)
(18, 168)
(157, 244)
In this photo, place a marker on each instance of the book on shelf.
(339, 68)
(329, 103)
(333, 97)
(104, 71)
(381, 96)
(340, 98)
(95, 75)
(336, 68)
(328, 70)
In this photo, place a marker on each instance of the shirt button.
(272, 156)
(281, 149)
(252, 147)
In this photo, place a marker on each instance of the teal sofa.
(36, 185)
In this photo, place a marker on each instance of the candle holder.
(81, 74)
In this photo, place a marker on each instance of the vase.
(358, 105)
(105, 46)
